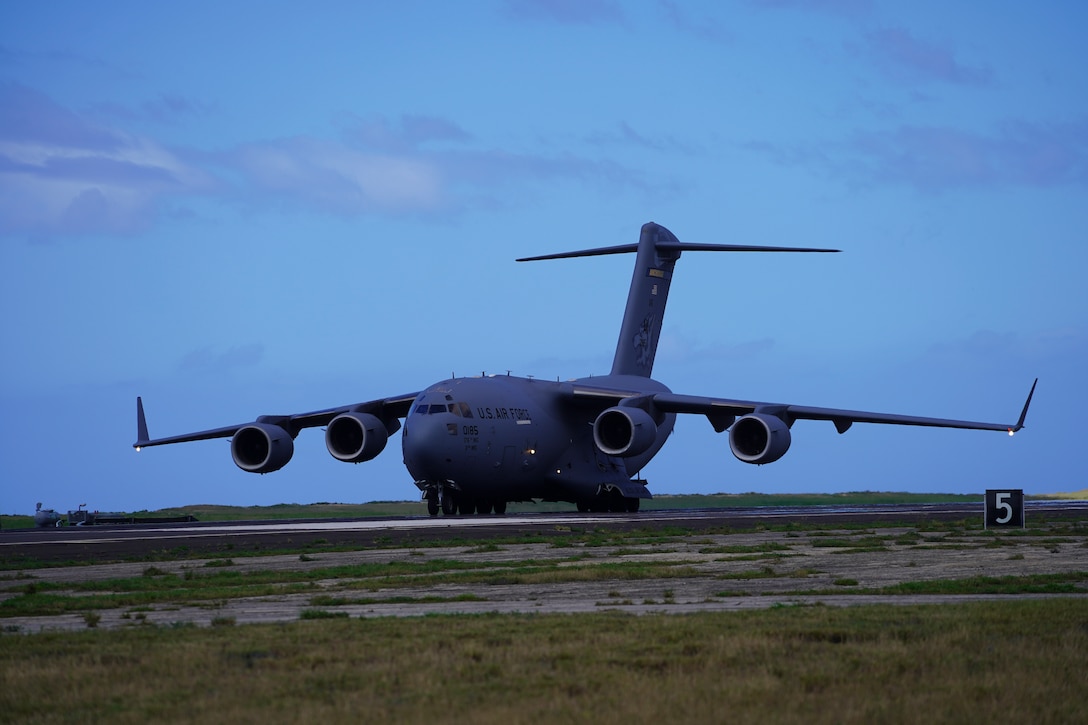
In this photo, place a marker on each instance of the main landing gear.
(453, 503)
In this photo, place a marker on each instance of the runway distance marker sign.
(1004, 508)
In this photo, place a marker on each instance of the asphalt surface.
(135, 541)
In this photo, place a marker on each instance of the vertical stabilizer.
(656, 255)
(641, 329)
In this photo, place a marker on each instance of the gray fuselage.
(518, 438)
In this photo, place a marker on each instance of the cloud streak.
(901, 56)
(63, 175)
(338, 179)
(829, 7)
(60, 174)
(938, 158)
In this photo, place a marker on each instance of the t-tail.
(656, 254)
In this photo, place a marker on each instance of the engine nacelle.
(624, 432)
(759, 438)
(355, 437)
(261, 448)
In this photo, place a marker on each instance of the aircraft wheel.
(583, 507)
(432, 505)
(449, 506)
(500, 508)
(632, 505)
(466, 508)
(483, 507)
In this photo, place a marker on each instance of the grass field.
(1018, 661)
(132, 655)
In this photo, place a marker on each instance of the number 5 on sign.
(1004, 508)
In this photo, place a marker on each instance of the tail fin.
(641, 328)
(657, 251)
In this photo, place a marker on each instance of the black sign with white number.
(1005, 508)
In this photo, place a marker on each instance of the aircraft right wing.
(760, 432)
(721, 412)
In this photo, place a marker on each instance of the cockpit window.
(432, 409)
(466, 412)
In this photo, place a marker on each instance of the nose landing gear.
(452, 502)
(609, 499)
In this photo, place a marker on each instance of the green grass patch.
(321, 614)
(1064, 583)
(969, 663)
(194, 587)
(764, 548)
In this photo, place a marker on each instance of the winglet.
(1024, 412)
(141, 425)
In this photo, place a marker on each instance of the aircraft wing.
(385, 408)
(721, 413)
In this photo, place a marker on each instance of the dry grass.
(1017, 661)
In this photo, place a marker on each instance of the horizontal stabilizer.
(672, 247)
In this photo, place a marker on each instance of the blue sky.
(242, 208)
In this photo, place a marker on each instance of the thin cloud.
(408, 132)
(389, 174)
(336, 178)
(901, 56)
(61, 174)
(1058, 344)
(829, 7)
(704, 28)
(626, 135)
(166, 108)
(936, 158)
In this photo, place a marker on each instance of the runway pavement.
(119, 542)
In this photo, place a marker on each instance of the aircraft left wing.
(388, 410)
(721, 412)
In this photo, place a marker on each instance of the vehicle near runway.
(473, 444)
(82, 517)
(44, 518)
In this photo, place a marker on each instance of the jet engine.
(624, 432)
(355, 437)
(261, 448)
(759, 438)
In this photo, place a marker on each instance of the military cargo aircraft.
(473, 444)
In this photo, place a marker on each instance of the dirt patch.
(681, 574)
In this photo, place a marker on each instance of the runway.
(118, 542)
(664, 562)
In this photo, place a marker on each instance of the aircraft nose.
(427, 446)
